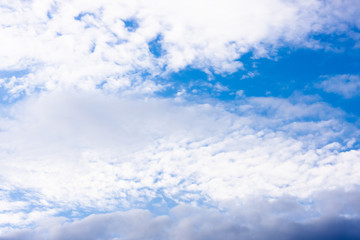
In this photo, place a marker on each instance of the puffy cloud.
(346, 85)
(107, 44)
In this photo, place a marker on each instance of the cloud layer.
(71, 152)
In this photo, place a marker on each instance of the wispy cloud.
(345, 85)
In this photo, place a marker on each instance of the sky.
(163, 119)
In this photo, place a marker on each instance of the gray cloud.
(254, 219)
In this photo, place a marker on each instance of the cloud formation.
(88, 143)
(64, 151)
(107, 44)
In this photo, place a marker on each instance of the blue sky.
(179, 120)
(289, 72)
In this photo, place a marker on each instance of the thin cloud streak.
(345, 85)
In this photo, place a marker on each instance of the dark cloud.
(338, 228)
(332, 215)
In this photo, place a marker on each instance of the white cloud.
(240, 93)
(62, 52)
(250, 75)
(94, 151)
(346, 85)
(71, 147)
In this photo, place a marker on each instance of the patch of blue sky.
(49, 15)
(198, 198)
(117, 41)
(131, 24)
(82, 14)
(5, 97)
(13, 73)
(30, 199)
(193, 80)
(92, 47)
(300, 71)
(160, 204)
(75, 213)
(101, 85)
(53, 9)
(4, 6)
(155, 46)
(18, 195)
(293, 71)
